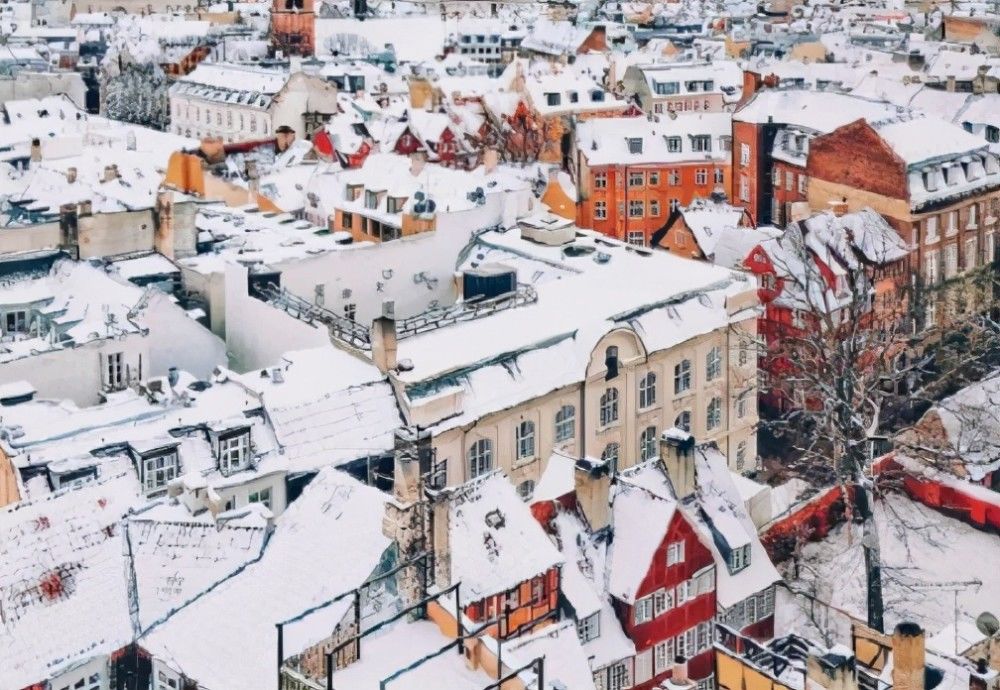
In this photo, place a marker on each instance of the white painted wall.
(178, 340)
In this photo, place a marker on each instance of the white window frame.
(744, 154)
(609, 407)
(114, 369)
(589, 628)
(525, 440)
(234, 453)
(682, 377)
(636, 238)
(158, 470)
(262, 495)
(647, 390)
(713, 414)
(675, 553)
(642, 610)
(643, 666)
(713, 364)
(479, 457)
(648, 449)
(565, 423)
(600, 210)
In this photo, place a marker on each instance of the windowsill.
(524, 462)
(652, 408)
(609, 427)
(932, 240)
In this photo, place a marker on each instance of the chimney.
(677, 458)
(908, 658)
(68, 225)
(832, 671)
(284, 137)
(491, 158)
(839, 208)
(679, 674)
(110, 173)
(950, 84)
(294, 64)
(84, 208)
(417, 161)
(385, 345)
(36, 151)
(592, 481)
(71, 175)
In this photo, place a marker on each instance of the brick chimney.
(385, 344)
(908, 657)
(677, 458)
(752, 83)
(284, 137)
(592, 481)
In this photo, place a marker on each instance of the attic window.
(371, 199)
(634, 144)
(739, 559)
(495, 519)
(574, 97)
(553, 99)
(674, 144)
(597, 96)
(157, 469)
(234, 451)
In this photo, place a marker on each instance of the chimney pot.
(417, 161)
(908, 657)
(679, 676)
(36, 151)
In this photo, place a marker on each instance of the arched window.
(682, 377)
(713, 416)
(609, 406)
(647, 390)
(713, 364)
(480, 457)
(683, 421)
(647, 443)
(526, 489)
(565, 423)
(610, 456)
(525, 440)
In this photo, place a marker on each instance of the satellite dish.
(987, 624)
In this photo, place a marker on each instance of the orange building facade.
(631, 202)
(293, 27)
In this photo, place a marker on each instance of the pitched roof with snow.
(495, 542)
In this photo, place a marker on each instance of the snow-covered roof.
(494, 540)
(62, 580)
(640, 518)
(708, 220)
(921, 140)
(333, 536)
(819, 111)
(566, 663)
(249, 86)
(607, 141)
(972, 427)
(864, 231)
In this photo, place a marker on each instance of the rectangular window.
(635, 208)
(744, 188)
(347, 221)
(158, 470)
(789, 180)
(552, 99)
(600, 210)
(973, 217)
(952, 222)
(674, 178)
(739, 558)
(643, 666)
(661, 662)
(654, 178)
(683, 592)
(971, 249)
(803, 184)
(635, 145)
(701, 143)
(351, 311)
(674, 144)
(600, 180)
(701, 176)
(642, 612)
(675, 553)
(636, 237)
(234, 452)
(15, 322)
(950, 261)
(589, 628)
(619, 676)
(931, 261)
(262, 496)
(115, 370)
(654, 207)
(663, 601)
(636, 179)
(744, 154)
(931, 229)
(776, 177)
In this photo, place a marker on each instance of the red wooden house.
(662, 584)
(433, 134)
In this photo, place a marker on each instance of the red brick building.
(632, 174)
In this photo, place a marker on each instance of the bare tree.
(850, 354)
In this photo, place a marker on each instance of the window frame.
(479, 452)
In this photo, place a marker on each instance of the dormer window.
(635, 144)
(739, 559)
(395, 204)
(234, 451)
(157, 469)
(371, 199)
(597, 96)
(574, 97)
(553, 99)
(353, 191)
(589, 628)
